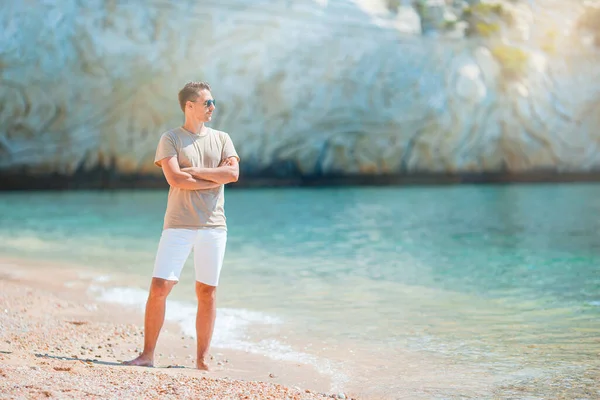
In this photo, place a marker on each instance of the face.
(202, 108)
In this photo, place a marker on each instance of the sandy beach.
(59, 342)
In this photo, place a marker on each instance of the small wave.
(102, 278)
(27, 243)
(230, 332)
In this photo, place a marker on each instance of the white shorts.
(174, 249)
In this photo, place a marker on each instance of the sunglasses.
(208, 103)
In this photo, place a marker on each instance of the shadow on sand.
(96, 361)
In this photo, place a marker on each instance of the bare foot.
(141, 361)
(201, 365)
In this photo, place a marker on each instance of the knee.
(160, 288)
(205, 293)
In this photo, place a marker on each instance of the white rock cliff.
(315, 87)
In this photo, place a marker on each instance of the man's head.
(196, 101)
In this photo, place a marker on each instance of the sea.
(468, 291)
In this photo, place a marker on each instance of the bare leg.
(153, 321)
(205, 321)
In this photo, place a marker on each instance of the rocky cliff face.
(303, 87)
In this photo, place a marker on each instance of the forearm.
(188, 182)
(221, 175)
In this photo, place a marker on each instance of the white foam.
(27, 243)
(231, 327)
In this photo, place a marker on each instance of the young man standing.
(197, 162)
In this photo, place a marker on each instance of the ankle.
(201, 359)
(147, 354)
(201, 364)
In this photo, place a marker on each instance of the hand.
(226, 162)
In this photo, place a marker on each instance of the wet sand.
(60, 342)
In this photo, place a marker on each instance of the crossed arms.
(197, 178)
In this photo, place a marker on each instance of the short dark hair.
(190, 92)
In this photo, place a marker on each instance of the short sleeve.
(166, 148)
(228, 148)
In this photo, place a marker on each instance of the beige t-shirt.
(195, 209)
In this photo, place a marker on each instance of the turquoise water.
(493, 277)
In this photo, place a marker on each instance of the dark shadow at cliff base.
(18, 182)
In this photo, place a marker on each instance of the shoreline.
(57, 339)
(104, 179)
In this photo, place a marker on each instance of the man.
(196, 161)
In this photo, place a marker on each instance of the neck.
(196, 127)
